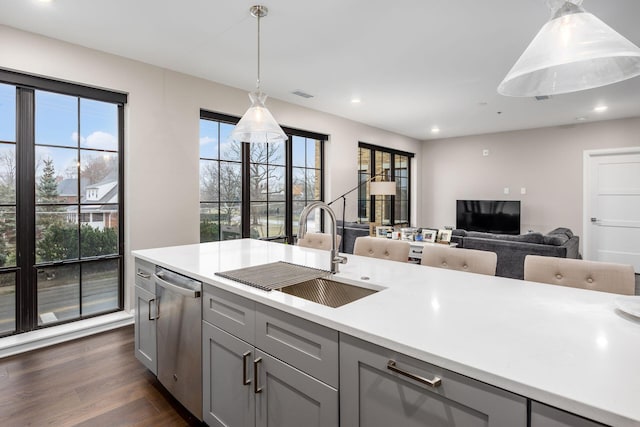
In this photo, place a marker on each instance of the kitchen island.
(563, 347)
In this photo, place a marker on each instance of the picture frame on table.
(381, 231)
(429, 235)
(444, 236)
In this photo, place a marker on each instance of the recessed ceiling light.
(45, 1)
(435, 129)
(355, 100)
(601, 109)
(581, 119)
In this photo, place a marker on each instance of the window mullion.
(26, 307)
(288, 185)
(246, 191)
(79, 207)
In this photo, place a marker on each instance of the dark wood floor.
(94, 381)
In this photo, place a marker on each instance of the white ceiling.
(413, 63)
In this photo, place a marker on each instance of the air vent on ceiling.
(542, 97)
(302, 94)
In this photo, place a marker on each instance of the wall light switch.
(485, 152)
(523, 190)
(506, 190)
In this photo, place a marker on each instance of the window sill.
(28, 341)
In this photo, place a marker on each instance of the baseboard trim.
(16, 344)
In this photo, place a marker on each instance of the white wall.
(161, 134)
(547, 162)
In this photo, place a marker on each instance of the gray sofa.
(512, 249)
(352, 230)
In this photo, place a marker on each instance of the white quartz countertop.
(568, 348)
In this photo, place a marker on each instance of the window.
(307, 178)
(220, 182)
(70, 141)
(255, 190)
(381, 163)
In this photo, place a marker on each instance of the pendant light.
(573, 51)
(257, 124)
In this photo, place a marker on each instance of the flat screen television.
(491, 216)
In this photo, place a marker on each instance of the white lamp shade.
(572, 52)
(383, 188)
(257, 124)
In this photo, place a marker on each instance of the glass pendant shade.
(573, 51)
(257, 124)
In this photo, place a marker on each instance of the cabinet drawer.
(229, 312)
(310, 347)
(375, 392)
(144, 275)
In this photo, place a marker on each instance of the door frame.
(586, 190)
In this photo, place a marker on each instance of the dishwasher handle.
(191, 293)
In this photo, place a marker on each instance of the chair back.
(471, 260)
(578, 273)
(318, 241)
(375, 247)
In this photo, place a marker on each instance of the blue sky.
(7, 113)
(57, 124)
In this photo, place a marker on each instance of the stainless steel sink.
(298, 280)
(327, 292)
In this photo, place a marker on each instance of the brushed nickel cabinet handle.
(245, 380)
(435, 382)
(139, 273)
(256, 375)
(149, 304)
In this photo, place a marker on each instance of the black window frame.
(289, 236)
(364, 189)
(26, 268)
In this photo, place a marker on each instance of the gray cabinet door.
(306, 345)
(546, 416)
(145, 329)
(228, 397)
(291, 398)
(373, 395)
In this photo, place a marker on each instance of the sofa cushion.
(459, 232)
(524, 238)
(555, 239)
(562, 230)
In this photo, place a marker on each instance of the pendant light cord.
(258, 80)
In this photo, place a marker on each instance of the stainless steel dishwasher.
(179, 337)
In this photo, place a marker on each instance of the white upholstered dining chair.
(375, 247)
(318, 241)
(578, 273)
(470, 260)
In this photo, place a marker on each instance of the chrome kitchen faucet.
(302, 230)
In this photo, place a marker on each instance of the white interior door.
(612, 206)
